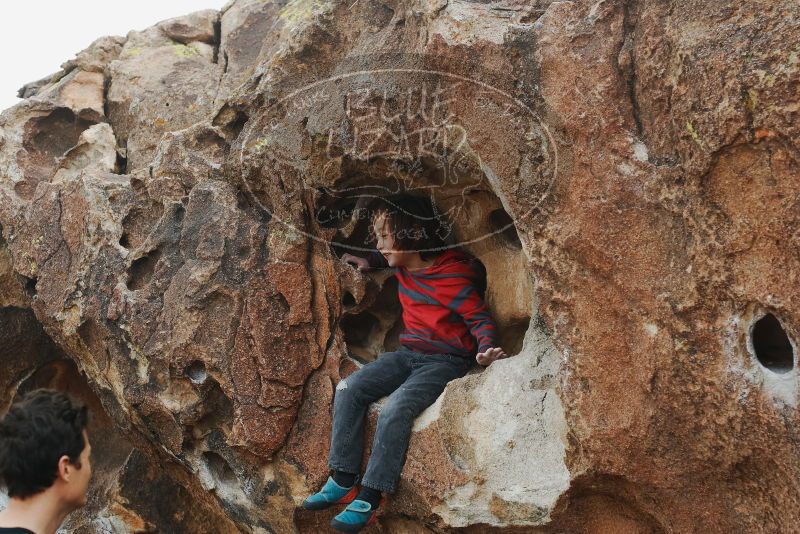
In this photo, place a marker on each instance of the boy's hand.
(360, 263)
(485, 358)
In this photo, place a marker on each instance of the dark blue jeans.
(413, 381)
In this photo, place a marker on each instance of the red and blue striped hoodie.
(443, 307)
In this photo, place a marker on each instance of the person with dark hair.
(44, 461)
(447, 329)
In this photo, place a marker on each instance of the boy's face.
(386, 243)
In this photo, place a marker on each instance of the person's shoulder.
(462, 258)
(453, 255)
(457, 262)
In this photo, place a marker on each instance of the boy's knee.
(397, 410)
(343, 385)
(347, 388)
(343, 389)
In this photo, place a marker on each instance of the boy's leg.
(353, 396)
(428, 379)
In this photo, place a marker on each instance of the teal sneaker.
(357, 515)
(330, 494)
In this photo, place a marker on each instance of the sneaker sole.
(352, 529)
(347, 499)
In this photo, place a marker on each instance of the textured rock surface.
(166, 206)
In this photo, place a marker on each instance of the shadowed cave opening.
(124, 479)
(121, 164)
(771, 344)
(476, 221)
(348, 300)
(32, 360)
(377, 328)
(512, 336)
(502, 223)
(110, 450)
(24, 348)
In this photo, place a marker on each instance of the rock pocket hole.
(216, 412)
(196, 372)
(141, 270)
(139, 223)
(374, 330)
(230, 120)
(121, 164)
(771, 345)
(348, 300)
(30, 285)
(503, 225)
(513, 335)
(46, 139)
(359, 331)
(219, 469)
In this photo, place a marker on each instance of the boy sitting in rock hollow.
(446, 326)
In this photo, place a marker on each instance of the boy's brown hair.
(415, 223)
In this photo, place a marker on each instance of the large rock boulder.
(173, 206)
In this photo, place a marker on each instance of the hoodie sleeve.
(458, 291)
